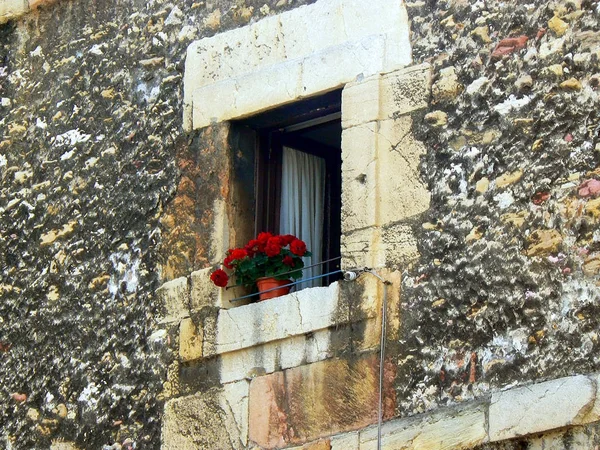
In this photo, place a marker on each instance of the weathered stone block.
(205, 293)
(360, 102)
(197, 421)
(333, 67)
(404, 91)
(402, 193)
(540, 407)
(10, 9)
(359, 177)
(174, 298)
(349, 441)
(282, 354)
(362, 248)
(190, 341)
(309, 30)
(234, 400)
(454, 429)
(214, 102)
(332, 38)
(317, 400)
(264, 89)
(291, 315)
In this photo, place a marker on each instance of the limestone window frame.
(362, 49)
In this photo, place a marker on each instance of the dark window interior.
(312, 126)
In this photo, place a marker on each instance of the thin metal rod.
(289, 284)
(292, 271)
(382, 363)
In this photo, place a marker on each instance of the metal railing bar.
(289, 284)
(292, 271)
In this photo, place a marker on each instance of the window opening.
(298, 179)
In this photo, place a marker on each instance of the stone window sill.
(298, 313)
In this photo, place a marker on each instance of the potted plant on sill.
(269, 261)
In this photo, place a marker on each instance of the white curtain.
(302, 199)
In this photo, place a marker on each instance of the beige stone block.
(268, 41)
(273, 86)
(360, 102)
(197, 422)
(248, 94)
(282, 354)
(306, 349)
(190, 341)
(10, 9)
(335, 66)
(291, 315)
(378, 17)
(362, 248)
(63, 446)
(336, 39)
(399, 245)
(174, 298)
(204, 293)
(398, 51)
(359, 177)
(540, 407)
(447, 429)
(404, 91)
(317, 400)
(311, 29)
(347, 441)
(234, 401)
(402, 193)
(214, 103)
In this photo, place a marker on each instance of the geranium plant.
(276, 256)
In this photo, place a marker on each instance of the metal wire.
(291, 271)
(289, 284)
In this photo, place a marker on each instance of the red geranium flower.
(288, 261)
(273, 247)
(227, 262)
(252, 247)
(219, 277)
(238, 253)
(288, 239)
(264, 237)
(298, 247)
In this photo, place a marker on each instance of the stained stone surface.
(506, 289)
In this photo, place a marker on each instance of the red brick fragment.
(540, 34)
(508, 45)
(540, 197)
(473, 368)
(589, 188)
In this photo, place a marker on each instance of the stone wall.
(111, 213)
(99, 205)
(507, 286)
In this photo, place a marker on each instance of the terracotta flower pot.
(268, 283)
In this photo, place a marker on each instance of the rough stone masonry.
(103, 197)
